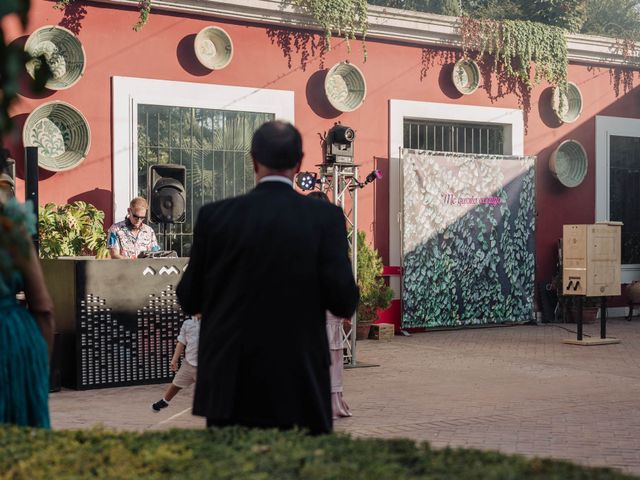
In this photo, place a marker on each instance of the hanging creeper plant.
(518, 46)
(144, 7)
(344, 17)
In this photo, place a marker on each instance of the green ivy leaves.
(347, 18)
(519, 46)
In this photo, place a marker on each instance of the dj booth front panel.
(118, 319)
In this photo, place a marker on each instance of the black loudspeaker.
(167, 193)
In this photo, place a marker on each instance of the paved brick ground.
(513, 389)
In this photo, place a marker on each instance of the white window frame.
(605, 128)
(129, 92)
(510, 118)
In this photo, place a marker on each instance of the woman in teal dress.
(26, 335)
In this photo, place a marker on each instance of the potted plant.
(590, 309)
(375, 295)
(71, 230)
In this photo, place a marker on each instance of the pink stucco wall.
(271, 58)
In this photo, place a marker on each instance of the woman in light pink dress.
(334, 335)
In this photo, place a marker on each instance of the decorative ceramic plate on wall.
(345, 87)
(61, 134)
(568, 163)
(213, 47)
(466, 76)
(62, 51)
(572, 104)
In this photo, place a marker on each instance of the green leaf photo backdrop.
(467, 239)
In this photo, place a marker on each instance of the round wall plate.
(466, 76)
(568, 163)
(345, 87)
(63, 53)
(61, 134)
(213, 47)
(572, 105)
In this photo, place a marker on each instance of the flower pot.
(589, 314)
(362, 330)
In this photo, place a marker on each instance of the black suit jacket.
(264, 268)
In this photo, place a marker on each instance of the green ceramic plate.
(61, 134)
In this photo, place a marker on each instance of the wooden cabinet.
(591, 259)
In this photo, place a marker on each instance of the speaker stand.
(166, 232)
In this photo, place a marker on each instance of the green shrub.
(441, 7)
(567, 14)
(241, 454)
(374, 293)
(71, 229)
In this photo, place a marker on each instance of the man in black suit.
(264, 268)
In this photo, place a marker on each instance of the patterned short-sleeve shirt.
(121, 236)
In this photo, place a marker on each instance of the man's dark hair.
(277, 145)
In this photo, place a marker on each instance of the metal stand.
(31, 186)
(342, 181)
(603, 317)
(580, 317)
(603, 340)
(166, 231)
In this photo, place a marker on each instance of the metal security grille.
(453, 137)
(213, 145)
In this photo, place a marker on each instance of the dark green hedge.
(236, 453)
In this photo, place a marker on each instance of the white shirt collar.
(276, 178)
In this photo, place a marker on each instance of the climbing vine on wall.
(144, 7)
(519, 46)
(346, 18)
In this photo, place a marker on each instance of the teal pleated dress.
(24, 358)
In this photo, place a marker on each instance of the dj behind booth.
(131, 238)
(118, 319)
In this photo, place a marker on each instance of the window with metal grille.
(453, 137)
(213, 145)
